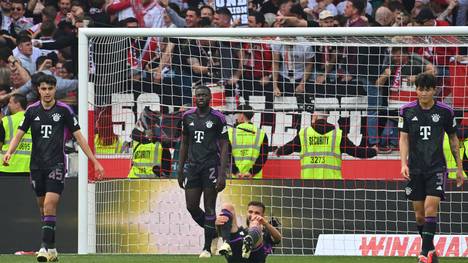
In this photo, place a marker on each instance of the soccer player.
(423, 124)
(205, 147)
(48, 120)
(251, 244)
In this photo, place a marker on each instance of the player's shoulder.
(408, 106)
(33, 107)
(188, 113)
(64, 107)
(218, 114)
(443, 107)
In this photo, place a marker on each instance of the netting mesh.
(141, 86)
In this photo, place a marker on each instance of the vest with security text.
(246, 142)
(451, 162)
(320, 154)
(145, 156)
(19, 162)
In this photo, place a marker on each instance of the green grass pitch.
(70, 258)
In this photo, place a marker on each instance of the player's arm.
(224, 145)
(275, 234)
(182, 157)
(455, 149)
(12, 148)
(85, 147)
(404, 148)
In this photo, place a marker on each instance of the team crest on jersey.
(408, 190)
(209, 124)
(56, 117)
(435, 117)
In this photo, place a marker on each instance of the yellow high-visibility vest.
(246, 146)
(19, 162)
(320, 154)
(115, 147)
(451, 162)
(145, 156)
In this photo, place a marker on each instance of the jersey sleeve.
(26, 123)
(402, 123)
(450, 125)
(71, 121)
(184, 125)
(223, 129)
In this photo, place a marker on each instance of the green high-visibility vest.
(19, 162)
(145, 156)
(320, 154)
(451, 162)
(246, 146)
(115, 147)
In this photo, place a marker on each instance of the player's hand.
(405, 172)
(221, 220)
(180, 180)
(6, 159)
(246, 176)
(220, 184)
(259, 219)
(99, 170)
(460, 178)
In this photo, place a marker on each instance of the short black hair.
(21, 99)
(258, 204)
(246, 110)
(259, 17)
(5, 53)
(426, 81)
(203, 87)
(209, 7)
(224, 11)
(124, 22)
(22, 38)
(194, 9)
(360, 5)
(48, 79)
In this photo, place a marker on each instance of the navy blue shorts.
(48, 180)
(422, 185)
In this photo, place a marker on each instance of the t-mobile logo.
(46, 130)
(199, 135)
(425, 131)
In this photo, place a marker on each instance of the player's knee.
(229, 207)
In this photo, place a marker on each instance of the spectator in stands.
(270, 6)
(5, 11)
(105, 140)
(97, 13)
(402, 18)
(321, 146)
(18, 21)
(314, 8)
(256, 60)
(149, 13)
(399, 79)
(64, 9)
(64, 70)
(208, 12)
(285, 7)
(222, 18)
(383, 17)
(24, 53)
(292, 67)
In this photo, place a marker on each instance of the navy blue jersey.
(48, 133)
(204, 133)
(426, 130)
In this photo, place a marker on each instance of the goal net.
(138, 83)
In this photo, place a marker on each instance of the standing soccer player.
(48, 120)
(423, 124)
(205, 141)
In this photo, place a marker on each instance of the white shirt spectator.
(28, 63)
(330, 7)
(294, 57)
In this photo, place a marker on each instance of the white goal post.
(86, 198)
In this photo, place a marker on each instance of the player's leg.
(209, 198)
(253, 239)
(225, 230)
(192, 200)
(431, 207)
(418, 207)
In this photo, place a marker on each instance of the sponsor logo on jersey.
(435, 117)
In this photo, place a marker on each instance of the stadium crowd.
(40, 37)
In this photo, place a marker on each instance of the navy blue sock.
(428, 234)
(48, 231)
(210, 231)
